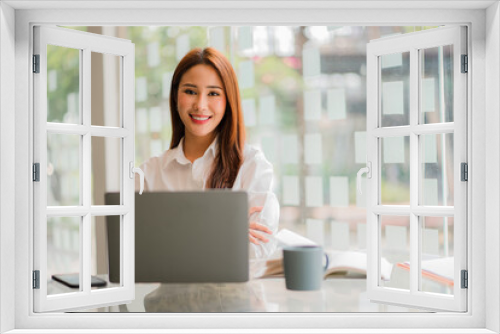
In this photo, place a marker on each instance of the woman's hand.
(254, 236)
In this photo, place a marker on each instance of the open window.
(65, 132)
(416, 144)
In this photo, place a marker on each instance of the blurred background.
(304, 101)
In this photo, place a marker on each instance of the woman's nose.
(201, 102)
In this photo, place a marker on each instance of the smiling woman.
(206, 69)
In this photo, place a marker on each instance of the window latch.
(368, 171)
(132, 171)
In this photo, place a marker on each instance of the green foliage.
(66, 64)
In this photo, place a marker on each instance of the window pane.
(395, 171)
(63, 252)
(395, 89)
(436, 86)
(437, 261)
(436, 156)
(394, 248)
(106, 167)
(106, 241)
(63, 169)
(106, 90)
(63, 85)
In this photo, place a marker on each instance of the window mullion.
(414, 107)
(86, 162)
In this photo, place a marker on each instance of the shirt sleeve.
(257, 180)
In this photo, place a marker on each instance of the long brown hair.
(231, 129)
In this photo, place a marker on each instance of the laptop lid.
(185, 237)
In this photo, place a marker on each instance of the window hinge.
(465, 64)
(36, 279)
(465, 171)
(465, 279)
(36, 63)
(36, 172)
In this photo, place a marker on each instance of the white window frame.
(483, 120)
(414, 44)
(85, 43)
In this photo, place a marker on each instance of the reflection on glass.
(105, 91)
(395, 248)
(436, 164)
(63, 85)
(436, 85)
(63, 250)
(105, 241)
(395, 171)
(106, 167)
(395, 89)
(437, 261)
(63, 169)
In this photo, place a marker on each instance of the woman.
(208, 147)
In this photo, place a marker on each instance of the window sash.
(85, 43)
(413, 43)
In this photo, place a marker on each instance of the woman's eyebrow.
(194, 86)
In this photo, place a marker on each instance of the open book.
(339, 261)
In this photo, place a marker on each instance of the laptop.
(184, 237)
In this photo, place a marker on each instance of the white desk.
(260, 295)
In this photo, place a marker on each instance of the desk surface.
(260, 295)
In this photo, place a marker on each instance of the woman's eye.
(213, 94)
(190, 91)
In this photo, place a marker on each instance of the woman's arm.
(263, 223)
(257, 179)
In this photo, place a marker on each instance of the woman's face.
(201, 100)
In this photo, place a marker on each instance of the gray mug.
(303, 267)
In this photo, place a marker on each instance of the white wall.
(7, 159)
(492, 166)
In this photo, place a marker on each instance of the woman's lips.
(200, 119)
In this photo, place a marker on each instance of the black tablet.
(73, 280)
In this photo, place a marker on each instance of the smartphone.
(73, 280)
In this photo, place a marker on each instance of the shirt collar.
(178, 151)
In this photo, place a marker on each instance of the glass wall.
(303, 92)
(304, 101)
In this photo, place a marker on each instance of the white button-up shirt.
(172, 171)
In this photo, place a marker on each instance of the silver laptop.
(185, 237)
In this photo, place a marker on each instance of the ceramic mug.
(303, 267)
